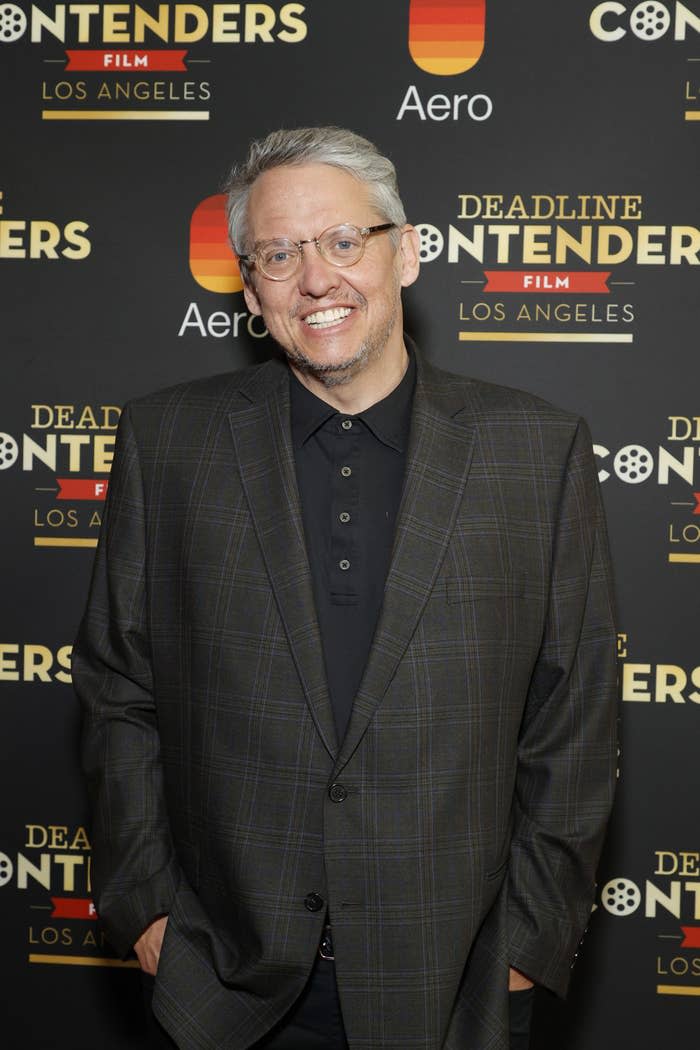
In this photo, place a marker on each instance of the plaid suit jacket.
(478, 765)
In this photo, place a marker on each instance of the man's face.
(332, 322)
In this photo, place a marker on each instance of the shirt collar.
(308, 412)
(388, 419)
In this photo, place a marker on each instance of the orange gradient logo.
(446, 37)
(212, 262)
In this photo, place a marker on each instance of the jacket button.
(337, 793)
(313, 902)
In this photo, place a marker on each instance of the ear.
(410, 255)
(251, 298)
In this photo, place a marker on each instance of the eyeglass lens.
(339, 245)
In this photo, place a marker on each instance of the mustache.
(353, 298)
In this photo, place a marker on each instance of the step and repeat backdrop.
(548, 154)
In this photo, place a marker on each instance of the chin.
(330, 373)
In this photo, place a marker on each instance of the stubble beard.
(338, 373)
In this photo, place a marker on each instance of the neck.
(373, 383)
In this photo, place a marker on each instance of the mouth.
(327, 318)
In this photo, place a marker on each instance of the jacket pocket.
(478, 588)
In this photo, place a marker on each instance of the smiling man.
(339, 324)
(347, 666)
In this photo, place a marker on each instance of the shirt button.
(313, 902)
(344, 517)
(344, 564)
(337, 793)
(345, 471)
(346, 424)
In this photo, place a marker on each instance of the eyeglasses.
(339, 245)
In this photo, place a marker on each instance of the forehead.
(302, 200)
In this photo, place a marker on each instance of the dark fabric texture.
(158, 1038)
(520, 1014)
(313, 1023)
(478, 767)
(315, 1020)
(350, 474)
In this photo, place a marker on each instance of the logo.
(67, 453)
(116, 54)
(671, 467)
(647, 21)
(51, 874)
(432, 241)
(446, 39)
(42, 239)
(13, 23)
(214, 267)
(548, 269)
(9, 451)
(620, 897)
(35, 663)
(650, 22)
(212, 262)
(656, 683)
(445, 107)
(670, 897)
(246, 23)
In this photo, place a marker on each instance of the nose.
(315, 276)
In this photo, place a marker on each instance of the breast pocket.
(488, 615)
(497, 589)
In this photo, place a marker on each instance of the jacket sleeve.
(567, 752)
(134, 872)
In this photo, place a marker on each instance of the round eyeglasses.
(339, 245)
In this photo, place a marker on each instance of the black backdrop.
(569, 173)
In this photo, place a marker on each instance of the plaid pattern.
(479, 760)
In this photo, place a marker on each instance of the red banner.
(692, 937)
(126, 61)
(696, 509)
(549, 282)
(73, 908)
(82, 488)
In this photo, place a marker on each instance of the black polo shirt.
(350, 475)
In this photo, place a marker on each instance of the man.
(348, 664)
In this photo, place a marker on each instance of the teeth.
(325, 318)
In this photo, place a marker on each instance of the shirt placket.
(345, 553)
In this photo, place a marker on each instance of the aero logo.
(446, 37)
(212, 261)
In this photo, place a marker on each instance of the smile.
(326, 318)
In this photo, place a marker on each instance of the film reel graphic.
(650, 20)
(13, 23)
(431, 241)
(621, 896)
(9, 451)
(5, 869)
(633, 464)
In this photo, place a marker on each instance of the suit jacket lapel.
(439, 454)
(261, 433)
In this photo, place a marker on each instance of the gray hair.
(324, 145)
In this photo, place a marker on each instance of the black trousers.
(315, 1021)
(520, 1004)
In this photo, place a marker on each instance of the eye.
(278, 255)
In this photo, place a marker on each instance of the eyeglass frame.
(251, 258)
